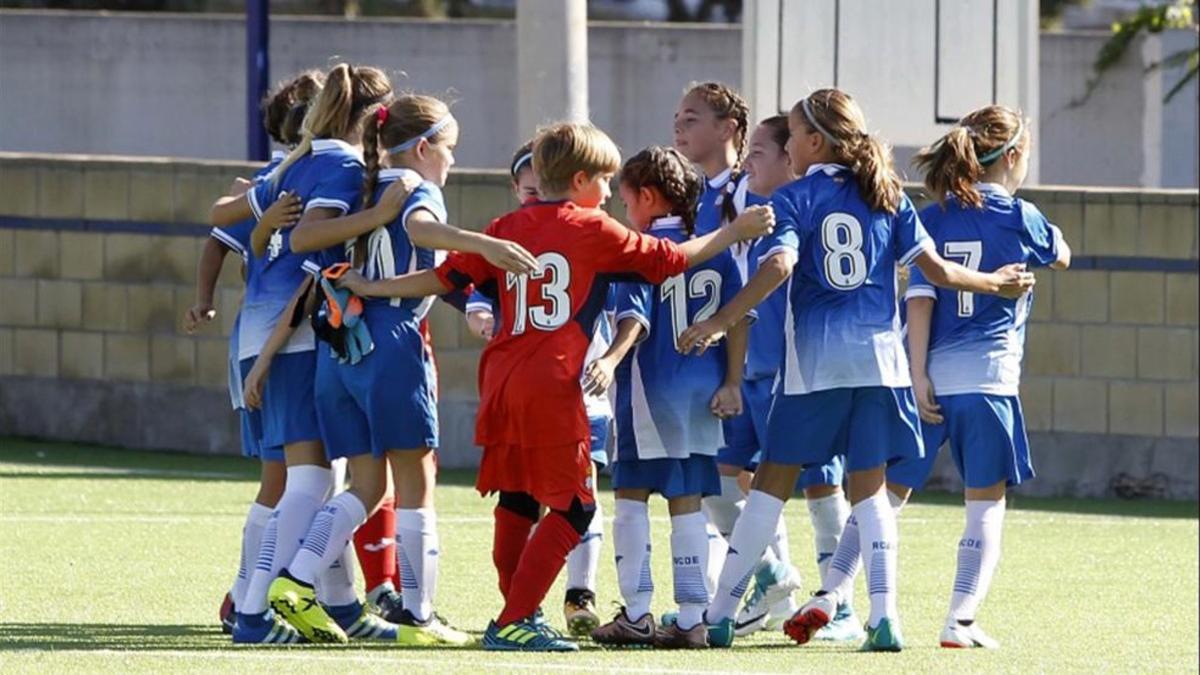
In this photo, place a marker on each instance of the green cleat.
(721, 633)
(884, 638)
(297, 603)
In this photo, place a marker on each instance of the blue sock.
(345, 615)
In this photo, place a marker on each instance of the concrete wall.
(97, 265)
(174, 85)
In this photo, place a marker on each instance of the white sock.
(828, 516)
(252, 534)
(302, 497)
(337, 470)
(839, 574)
(779, 545)
(335, 585)
(331, 530)
(631, 541)
(718, 548)
(751, 535)
(689, 562)
(417, 543)
(895, 500)
(878, 539)
(723, 509)
(978, 555)
(583, 560)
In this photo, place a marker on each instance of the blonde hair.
(836, 115)
(959, 159)
(562, 150)
(348, 92)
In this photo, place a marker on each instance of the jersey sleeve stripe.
(311, 267)
(252, 197)
(326, 203)
(227, 241)
(920, 292)
(923, 245)
(775, 250)
(640, 318)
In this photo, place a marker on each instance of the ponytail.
(837, 117)
(954, 164)
(339, 108)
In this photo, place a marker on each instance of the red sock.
(375, 544)
(540, 564)
(511, 536)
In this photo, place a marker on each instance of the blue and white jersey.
(764, 351)
(391, 253)
(330, 176)
(663, 397)
(597, 405)
(716, 191)
(842, 325)
(976, 341)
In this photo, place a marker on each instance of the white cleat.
(957, 636)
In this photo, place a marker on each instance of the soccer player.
(770, 602)
(844, 385)
(579, 605)
(324, 172)
(377, 407)
(966, 350)
(669, 407)
(531, 423)
(282, 114)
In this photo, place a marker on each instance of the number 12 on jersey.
(674, 292)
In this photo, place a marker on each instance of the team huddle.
(741, 337)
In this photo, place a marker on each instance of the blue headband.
(521, 161)
(428, 133)
(999, 152)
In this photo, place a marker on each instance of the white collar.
(396, 174)
(323, 145)
(666, 223)
(993, 189)
(278, 155)
(720, 179)
(828, 167)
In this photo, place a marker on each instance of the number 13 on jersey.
(552, 308)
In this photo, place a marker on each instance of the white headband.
(428, 133)
(521, 162)
(812, 119)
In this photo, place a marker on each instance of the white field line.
(445, 660)
(114, 472)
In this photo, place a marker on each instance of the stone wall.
(97, 265)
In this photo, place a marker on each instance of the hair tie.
(381, 115)
(1008, 145)
(812, 119)
(524, 159)
(428, 133)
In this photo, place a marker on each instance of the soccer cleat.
(297, 603)
(525, 636)
(432, 632)
(267, 628)
(753, 616)
(812, 617)
(668, 619)
(883, 638)
(361, 624)
(625, 632)
(781, 612)
(958, 636)
(779, 582)
(228, 615)
(386, 602)
(720, 634)
(843, 627)
(579, 610)
(674, 637)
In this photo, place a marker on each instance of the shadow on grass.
(1137, 508)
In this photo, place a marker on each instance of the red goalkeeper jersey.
(529, 373)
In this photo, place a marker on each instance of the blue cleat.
(525, 636)
(884, 638)
(843, 627)
(721, 633)
(267, 628)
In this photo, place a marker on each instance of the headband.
(524, 159)
(1009, 145)
(428, 133)
(812, 119)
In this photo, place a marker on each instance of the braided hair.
(672, 175)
